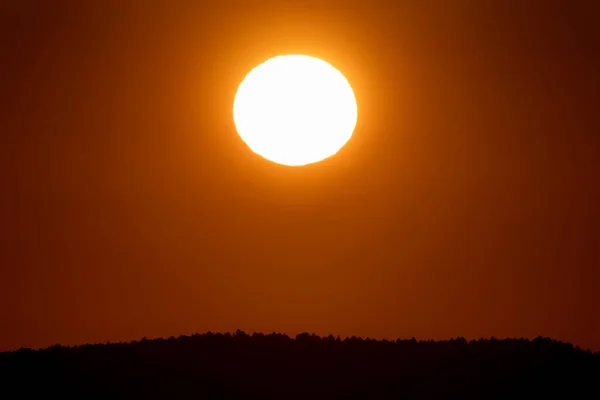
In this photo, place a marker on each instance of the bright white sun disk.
(295, 110)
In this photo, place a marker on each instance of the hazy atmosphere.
(466, 203)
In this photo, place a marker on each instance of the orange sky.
(466, 204)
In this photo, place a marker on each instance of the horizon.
(215, 365)
(337, 338)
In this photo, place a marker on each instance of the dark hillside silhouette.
(239, 365)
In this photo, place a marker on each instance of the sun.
(295, 110)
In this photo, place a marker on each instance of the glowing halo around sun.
(295, 110)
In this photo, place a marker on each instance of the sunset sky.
(467, 203)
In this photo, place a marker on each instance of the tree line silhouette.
(239, 365)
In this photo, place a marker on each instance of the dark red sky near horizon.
(467, 202)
